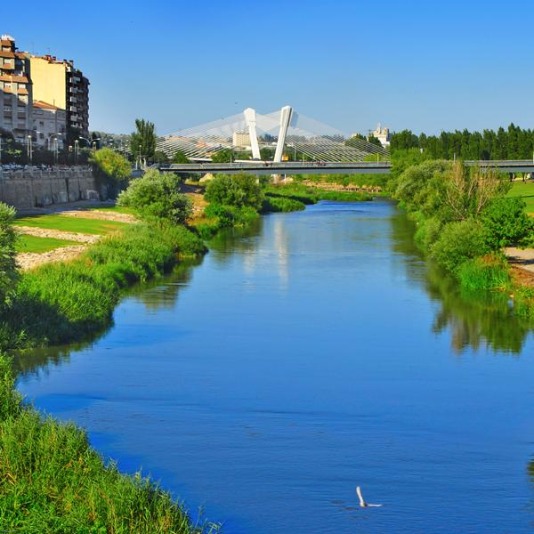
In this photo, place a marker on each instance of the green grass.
(90, 286)
(71, 224)
(113, 209)
(52, 481)
(525, 190)
(30, 243)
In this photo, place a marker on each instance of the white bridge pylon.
(280, 135)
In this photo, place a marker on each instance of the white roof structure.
(280, 130)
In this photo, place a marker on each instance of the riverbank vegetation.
(464, 219)
(62, 302)
(50, 478)
(52, 481)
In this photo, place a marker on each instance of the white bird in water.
(364, 504)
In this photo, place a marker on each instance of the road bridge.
(320, 167)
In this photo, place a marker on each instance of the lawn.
(525, 190)
(71, 224)
(30, 243)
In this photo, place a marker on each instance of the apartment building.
(16, 96)
(59, 83)
(44, 102)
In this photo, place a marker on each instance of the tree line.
(511, 143)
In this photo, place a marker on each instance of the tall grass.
(485, 273)
(52, 481)
(62, 302)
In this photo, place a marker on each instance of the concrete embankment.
(32, 187)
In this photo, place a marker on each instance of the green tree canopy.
(111, 164)
(226, 155)
(239, 190)
(143, 140)
(157, 195)
(180, 157)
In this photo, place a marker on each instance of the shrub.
(427, 233)
(484, 273)
(156, 196)
(506, 222)
(459, 242)
(229, 216)
(239, 190)
(281, 204)
(8, 266)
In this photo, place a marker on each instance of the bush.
(8, 266)
(156, 196)
(428, 232)
(459, 242)
(281, 204)
(239, 190)
(506, 222)
(484, 273)
(229, 216)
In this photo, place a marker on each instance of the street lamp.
(29, 149)
(55, 149)
(90, 143)
(76, 151)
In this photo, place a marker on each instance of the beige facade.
(241, 140)
(382, 134)
(49, 80)
(57, 82)
(15, 90)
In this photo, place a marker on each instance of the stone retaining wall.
(35, 188)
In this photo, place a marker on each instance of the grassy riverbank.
(52, 481)
(465, 219)
(62, 302)
(50, 478)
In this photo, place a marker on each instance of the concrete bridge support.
(285, 119)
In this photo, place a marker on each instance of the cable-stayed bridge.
(280, 136)
(290, 143)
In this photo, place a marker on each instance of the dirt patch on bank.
(522, 265)
(31, 260)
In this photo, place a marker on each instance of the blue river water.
(311, 354)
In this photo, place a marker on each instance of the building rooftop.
(44, 105)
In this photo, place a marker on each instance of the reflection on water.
(164, 296)
(153, 295)
(308, 355)
(480, 321)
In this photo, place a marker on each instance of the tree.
(160, 157)
(468, 190)
(8, 266)
(506, 222)
(111, 164)
(180, 157)
(157, 195)
(143, 140)
(226, 155)
(239, 190)
(111, 169)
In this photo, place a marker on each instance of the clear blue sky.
(421, 65)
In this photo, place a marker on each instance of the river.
(311, 354)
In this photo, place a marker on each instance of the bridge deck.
(318, 167)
